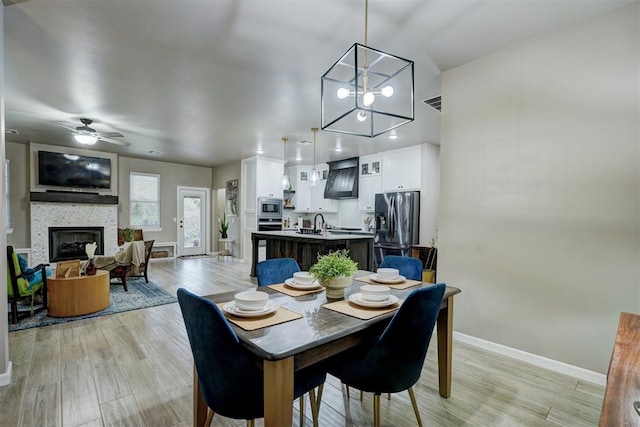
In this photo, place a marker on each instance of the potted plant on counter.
(335, 272)
(224, 226)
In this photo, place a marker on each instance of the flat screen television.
(73, 171)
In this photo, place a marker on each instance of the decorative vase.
(336, 286)
(91, 268)
(224, 235)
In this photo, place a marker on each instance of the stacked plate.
(232, 308)
(302, 286)
(387, 280)
(358, 299)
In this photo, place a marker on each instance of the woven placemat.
(281, 287)
(364, 313)
(404, 285)
(281, 315)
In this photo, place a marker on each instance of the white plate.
(358, 300)
(291, 282)
(398, 279)
(231, 308)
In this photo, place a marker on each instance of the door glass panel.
(192, 210)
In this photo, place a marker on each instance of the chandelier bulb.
(362, 116)
(342, 93)
(387, 91)
(368, 99)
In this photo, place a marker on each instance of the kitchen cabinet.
(402, 169)
(310, 198)
(260, 177)
(269, 177)
(370, 182)
(368, 187)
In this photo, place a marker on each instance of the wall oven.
(269, 214)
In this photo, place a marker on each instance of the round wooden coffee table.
(74, 296)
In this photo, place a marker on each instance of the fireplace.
(67, 243)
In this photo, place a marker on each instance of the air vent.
(434, 102)
(11, 131)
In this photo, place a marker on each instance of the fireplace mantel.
(73, 197)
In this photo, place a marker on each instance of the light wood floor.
(134, 369)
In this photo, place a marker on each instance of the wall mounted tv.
(73, 171)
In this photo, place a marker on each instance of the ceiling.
(207, 82)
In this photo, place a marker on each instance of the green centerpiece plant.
(335, 272)
(126, 234)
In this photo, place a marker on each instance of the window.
(144, 198)
(7, 198)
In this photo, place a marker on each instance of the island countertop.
(331, 235)
(304, 248)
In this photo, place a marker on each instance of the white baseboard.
(534, 359)
(5, 379)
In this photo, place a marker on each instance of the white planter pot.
(336, 286)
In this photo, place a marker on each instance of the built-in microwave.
(269, 208)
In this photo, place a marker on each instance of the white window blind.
(144, 200)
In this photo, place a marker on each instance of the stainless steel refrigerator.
(397, 219)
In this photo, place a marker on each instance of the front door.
(193, 208)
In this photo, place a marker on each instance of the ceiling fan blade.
(65, 126)
(109, 134)
(113, 141)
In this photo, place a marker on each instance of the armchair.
(19, 287)
(122, 272)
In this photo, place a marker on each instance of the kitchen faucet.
(315, 218)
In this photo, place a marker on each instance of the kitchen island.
(304, 248)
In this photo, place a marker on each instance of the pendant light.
(367, 92)
(285, 183)
(315, 175)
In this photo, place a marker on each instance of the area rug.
(140, 295)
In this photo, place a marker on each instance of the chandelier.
(367, 92)
(315, 174)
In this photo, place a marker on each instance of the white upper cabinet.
(368, 187)
(310, 198)
(402, 169)
(318, 202)
(268, 177)
(370, 181)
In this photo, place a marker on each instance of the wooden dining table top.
(317, 327)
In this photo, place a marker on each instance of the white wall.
(540, 190)
(5, 364)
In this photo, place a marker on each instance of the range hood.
(342, 180)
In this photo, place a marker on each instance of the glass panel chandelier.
(367, 92)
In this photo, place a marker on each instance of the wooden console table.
(74, 296)
(623, 386)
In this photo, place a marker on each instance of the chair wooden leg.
(376, 410)
(14, 312)
(315, 404)
(124, 282)
(251, 423)
(412, 395)
(347, 388)
(301, 399)
(361, 395)
(209, 419)
(388, 396)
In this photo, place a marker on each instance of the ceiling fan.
(88, 136)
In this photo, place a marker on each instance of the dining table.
(315, 334)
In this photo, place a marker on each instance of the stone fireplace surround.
(48, 214)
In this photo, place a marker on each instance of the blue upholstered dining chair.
(394, 361)
(231, 382)
(409, 267)
(275, 270)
